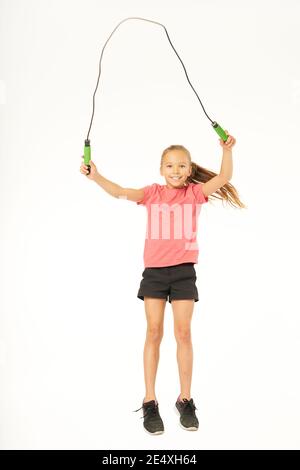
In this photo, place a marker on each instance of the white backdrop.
(72, 327)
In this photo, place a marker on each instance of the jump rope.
(87, 146)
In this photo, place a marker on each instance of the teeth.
(175, 177)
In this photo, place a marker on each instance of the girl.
(169, 256)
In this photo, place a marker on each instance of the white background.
(72, 327)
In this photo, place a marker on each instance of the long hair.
(202, 175)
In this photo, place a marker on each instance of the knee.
(183, 335)
(154, 334)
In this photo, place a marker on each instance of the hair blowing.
(201, 175)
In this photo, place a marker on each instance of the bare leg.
(154, 309)
(183, 311)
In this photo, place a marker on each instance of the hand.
(93, 170)
(230, 142)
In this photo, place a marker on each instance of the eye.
(171, 165)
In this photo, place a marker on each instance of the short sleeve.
(199, 195)
(148, 191)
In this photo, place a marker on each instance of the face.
(175, 164)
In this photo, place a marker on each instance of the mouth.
(176, 178)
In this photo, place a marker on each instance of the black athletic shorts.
(176, 282)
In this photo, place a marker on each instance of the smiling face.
(176, 168)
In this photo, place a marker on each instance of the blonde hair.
(201, 175)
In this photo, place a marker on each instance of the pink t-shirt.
(171, 235)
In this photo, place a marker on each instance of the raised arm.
(111, 188)
(118, 191)
(135, 195)
(212, 185)
(225, 174)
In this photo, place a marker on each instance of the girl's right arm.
(111, 188)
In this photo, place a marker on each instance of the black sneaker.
(152, 420)
(188, 418)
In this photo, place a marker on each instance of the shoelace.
(151, 408)
(189, 406)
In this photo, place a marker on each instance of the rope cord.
(151, 21)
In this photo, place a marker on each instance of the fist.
(230, 142)
(85, 170)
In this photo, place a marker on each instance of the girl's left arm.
(225, 174)
(226, 165)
